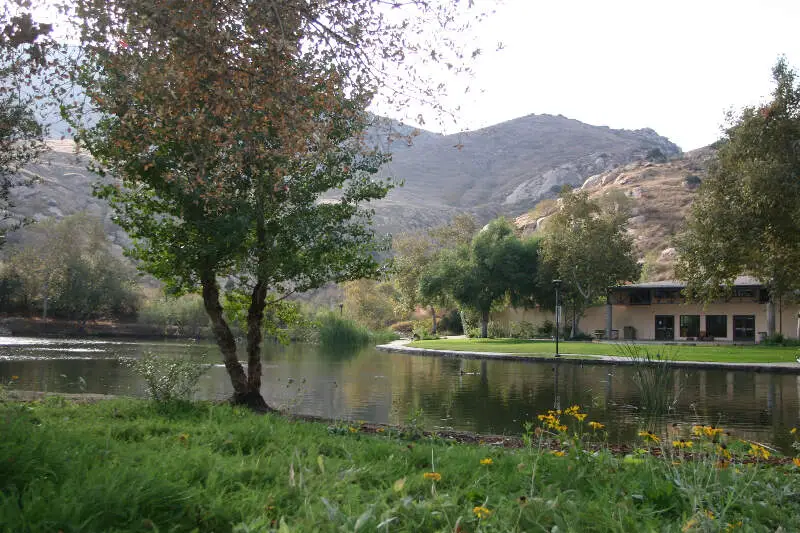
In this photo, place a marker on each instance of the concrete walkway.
(401, 346)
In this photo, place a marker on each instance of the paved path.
(401, 346)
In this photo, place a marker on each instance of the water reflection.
(482, 396)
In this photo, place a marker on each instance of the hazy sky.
(673, 66)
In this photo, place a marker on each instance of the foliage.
(127, 466)
(370, 302)
(495, 266)
(547, 329)
(404, 328)
(168, 378)
(416, 252)
(26, 63)
(746, 217)
(423, 331)
(522, 330)
(338, 332)
(451, 323)
(497, 330)
(586, 246)
(67, 268)
(654, 377)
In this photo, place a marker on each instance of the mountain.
(502, 169)
(660, 196)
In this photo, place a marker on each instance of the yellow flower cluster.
(481, 512)
(574, 411)
(558, 453)
(682, 443)
(486, 461)
(796, 461)
(435, 476)
(707, 431)
(724, 452)
(552, 421)
(596, 425)
(758, 451)
(649, 436)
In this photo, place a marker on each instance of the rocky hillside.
(503, 169)
(660, 196)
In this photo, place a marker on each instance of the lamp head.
(557, 283)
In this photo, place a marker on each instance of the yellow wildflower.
(796, 461)
(435, 476)
(573, 410)
(688, 526)
(380, 430)
(558, 453)
(649, 436)
(758, 451)
(682, 443)
(486, 461)
(723, 451)
(707, 431)
(710, 515)
(579, 416)
(731, 527)
(351, 429)
(596, 425)
(793, 430)
(14, 378)
(481, 512)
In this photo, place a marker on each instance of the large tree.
(497, 265)
(746, 218)
(228, 122)
(585, 244)
(415, 252)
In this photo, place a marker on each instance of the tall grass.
(339, 332)
(654, 377)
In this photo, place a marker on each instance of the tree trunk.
(433, 314)
(771, 316)
(255, 319)
(484, 324)
(225, 340)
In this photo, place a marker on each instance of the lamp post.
(557, 285)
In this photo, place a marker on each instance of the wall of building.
(642, 317)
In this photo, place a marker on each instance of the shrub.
(473, 333)
(167, 378)
(422, 331)
(692, 181)
(496, 330)
(581, 336)
(522, 330)
(186, 313)
(405, 328)
(546, 329)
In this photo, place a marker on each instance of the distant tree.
(67, 268)
(746, 217)
(370, 302)
(587, 247)
(496, 265)
(414, 253)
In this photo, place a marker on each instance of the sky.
(675, 67)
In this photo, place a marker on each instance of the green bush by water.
(335, 331)
(128, 466)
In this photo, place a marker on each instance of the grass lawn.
(133, 466)
(722, 354)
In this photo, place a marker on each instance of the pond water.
(464, 394)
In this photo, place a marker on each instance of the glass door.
(665, 327)
(744, 327)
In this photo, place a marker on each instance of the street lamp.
(557, 285)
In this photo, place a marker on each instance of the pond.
(463, 394)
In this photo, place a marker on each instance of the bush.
(167, 378)
(522, 330)
(581, 336)
(473, 333)
(496, 330)
(422, 331)
(186, 314)
(547, 329)
(405, 328)
(692, 181)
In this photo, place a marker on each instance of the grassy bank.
(131, 466)
(718, 354)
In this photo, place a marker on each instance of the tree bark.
(255, 319)
(484, 324)
(224, 337)
(433, 314)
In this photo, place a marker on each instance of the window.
(665, 327)
(690, 325)
(640, 297)
(717, 325)
(743, 292)
(744, 327)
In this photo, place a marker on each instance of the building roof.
(741, 281)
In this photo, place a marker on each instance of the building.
(658, 311)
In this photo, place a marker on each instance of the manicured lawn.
(722, 353)
(130, 466)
